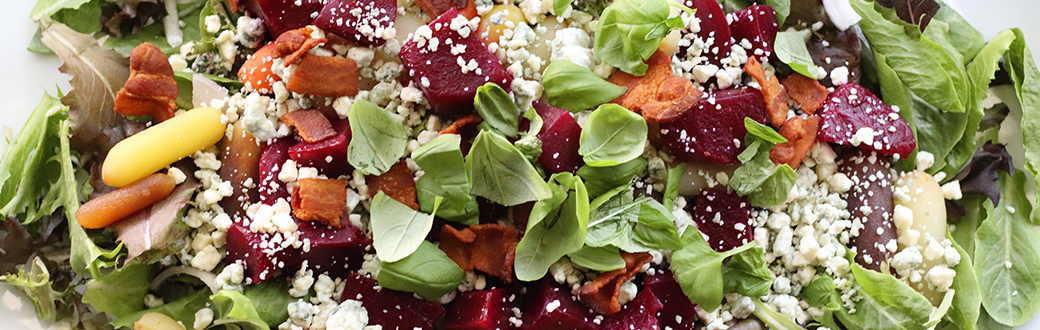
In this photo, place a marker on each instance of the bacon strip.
(151, 89)
(256, 72)
(800, 134)
(324, 76)
(458, 124)
(808, 92)
(310, 125)
(659, 95)
(774, 93)
(293, 44)
(489, 248)
(397, 183)
(320, 200)
(602, 293)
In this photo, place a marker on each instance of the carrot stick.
(116, 205)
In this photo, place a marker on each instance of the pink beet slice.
(678, 312)
(551, 306)
(284, 15)
(480, 310)
(759, 26)
(853, 116)
(251, 249)
(636, 314)
(725, 217)
(713, 130)
(272, 159)
(714, 29)
(560, 137)
(363, 21)
(391, 309)
(336, 251)
(437, 70)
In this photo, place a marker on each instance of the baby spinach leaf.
(379, 138)
(632, 224)
(234, 308)
(603, 259)
(655, 227)
(671, 187)
(698, 269)
(574, 88)
(774, 320)
(599, 180)
(1026, 78)
(1007, 255)
(428, 272)
(966, 303)
(887, 303)
(499, 172)
(613, 135)
(762, 182)
(497, 108)
(629, 31)
(748, 274)
(791, 49)
(397, 230)
(445, 177)
(556, 227)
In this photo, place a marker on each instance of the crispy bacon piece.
(458, 124)
(435, 8)
(311, 125)
(320, 200)
(489, 248)
(315, 73)
(659, 95)
(808, 92)
(774, 93)
(151, 90)
(256, 72)
(800, 134)
(602, 293)
(293, 44)
(397, 183)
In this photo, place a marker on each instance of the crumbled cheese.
(952, 190)
(839, 76)
(203, 318)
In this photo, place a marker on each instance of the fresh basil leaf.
(183, 310)
(966, 303)
(782, 9)
(445, 177)
(987, 322)
(497, 108)
(771, 318)
(671, 187)
(602, 259)
(234, 308)
(574, 88)
(655, 227)
(529, 144)
(556, 227)
(378, 140)
(613, 135)
(698, 269)
(762, 182)
(922, 64)
(967, 39)
(428, 272)
(499, 172)
(397, 230)
(747, 273)
(1007, 255)
(122, 291)
(599, 180)
(887, 303)
(632, 224)
(1024, 74)
(791, 49)
(275, 297)
(762, 131)
(629, 31)
(818, 292)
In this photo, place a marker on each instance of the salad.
(533, 164)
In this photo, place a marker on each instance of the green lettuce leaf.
(791, 49)
(966, 303)
(747, 273)
(31, 167)
(122, 291)
(275, 297)
(234, 310)
(603, 259)
(632, 224)
(762, 182)
(774, 320)
(600, 180)
(34, 280)
(887, 303)
(1026, 78)
(183, 309)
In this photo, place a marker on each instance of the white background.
(26, 76)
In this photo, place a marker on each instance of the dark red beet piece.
(636, 314)
(391, 309)
(480, 310)
(714, 29)
(678, 312)
(551, 306)
(436, 70)
(851, 110)
(339, 17)
(248, 248)
(328, 249)
(284, 15)
(329, 156)
(560, 137)
(871, 187)
(271, 161)
(725, 217)
(713, 130)
(758, 25)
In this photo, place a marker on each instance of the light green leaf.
(698, 269)
(671, 187)
(378, 138)
(966, 303)
(774, 320)
(397, 230)
(574, 88)
(603, 259)
(275, 297)
(497, 108)
(747, 273)
(599, 180)
(529, 144)
(182, 310)
(629, 31)
(445, 177)
(613, 135)
(762, 131)
(632, 224)
(32, 165)
(559, 6)
(235, 309)
(499, 172)
(46, 8)
(1023, 72)
(791, 49)
(782, 9)
(968, 40)
(122, 291)
(556, 227)
(428, 272)
(34, 280)
(762, 182)
(887, 303)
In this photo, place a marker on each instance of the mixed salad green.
(957, 92)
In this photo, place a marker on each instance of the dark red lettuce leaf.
(917, 12)
(981, 174)
(119, 19)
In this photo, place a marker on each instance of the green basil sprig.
(574, 88)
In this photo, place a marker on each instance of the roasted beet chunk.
(678, 312)
(391, 309)
(336, 251)
(758, 25)
(271, 161)
(480, 310)
(870, 204)
(284, 15)
(560, 137)
(329, 156)
(713, 131)
(725, 217)
(447, 60)
(253, 251)
(636, 314)
(852, 116)
(368, 22)
(714, 31)
(553, 307)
